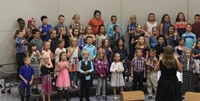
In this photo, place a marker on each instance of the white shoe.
(75, 86)
(115, 98)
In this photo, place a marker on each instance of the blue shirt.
(110, 30)
(92, 51)
(46, 29)
(38, 43)
(190, 39)
(153, 41)
(131, 27)
(27, 73)
(20, 48)
(81, 71)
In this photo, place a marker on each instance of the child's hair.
(145, 43)
(30, 45)
(26, 58)
(17, 33)
(60, 41)
(197, 43)
(86, 28)
(96, 11)
(153, 50)
(88, 37)
(75, 15)
(196, 15)
(103, 43)
(35, 31)
(44, 44)
(101, 50)
(43, 17)
(61, 29)
(100, 28)
(163, 19)
(75, 28)
(85, 52)
(150, 15)
(20, 19)
(169, 28)
(115, 27)
(133, 17)
(177, 17)
(60, 55)
(189, 51)
(71, 41)
(43, 57)
(29, 22)
(155, 27)
(115, 56)
(137, 49)
(60, 16)
(113, 16)
(189, 24)
(52, 31)
(120, 39)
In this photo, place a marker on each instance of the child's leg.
(141, 78)
(82, 89)
(135, 80)
(114, 91)
(22, 92)
(28, 90)
(43, 96)
(87, 86)
(99, 86)
(122, 89)
(154, 81)
(149, 84)
(60, 91)
(103, 87)
(49, 96)
(67, 94)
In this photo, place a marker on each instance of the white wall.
(123, 9)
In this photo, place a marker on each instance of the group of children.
(60, 55)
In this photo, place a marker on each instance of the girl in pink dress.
(63, 80)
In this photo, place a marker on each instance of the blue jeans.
(25, 90)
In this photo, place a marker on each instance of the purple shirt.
(101, 66)
(138, 64)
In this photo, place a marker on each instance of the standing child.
(101, 36)
(26, 74)
(138, 70)
(54, 41)
(116, 36)
(160, 46)
(117, 70)
(153, 39)
(150, 23)
(189, 37)
(46, 83)
(31, 25)
(61, 44)
(76, 34)
(45, 28)
(34, 54)
(180, 24)
(76, 24)
(85, 69)
(172, 36)
(165, 23)
(110, 30)
(196, 26)
(63, 36)
(188, 67)
(20, 49)
(88, 32)
(181, 48)
(106, 46)
(36, 39)
(21, 24)
(101, 66)
(151, 74)
(63, 80)
(73, 53)
(143, 45)
(61, 24)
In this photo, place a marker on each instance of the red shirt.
(95, 25)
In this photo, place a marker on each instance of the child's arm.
(132, 68)
(95, 53)
(157, 67)
(69, 52)
(145, 26)
(92, 68)
(25, 81)
(161, 28)
(32, 77)
(195, 39)
(112, 68)
(145, 71)
(121, 67)
(52, 56)
(18, 41)
(79, 68)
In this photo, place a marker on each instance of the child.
(188, 67)
(73, 53)
(34, 54)
(181, 48)
(151, 74)
(143, 45)
(63, 36)
(54, 41)
(88, 32)
(180, 24)
(76, 34)
(116, 36)
(164, 25)
(172, 37)
(189, 37)
(45, 28)
(106, 46)
(101, 67)
(110, 30)
(63, 80)
(96, 22)
(21, 24)
(20, 49)
(117, 70)
(160, 46)
(26, 74)
(150, 23)
(138, 70)
(31, 25)
(61, 24)
(196, 26)
(36, 39)
(85, 69)
(46, 83)
(153, 39)
(101, 36)
(76, 24)
(60, 49)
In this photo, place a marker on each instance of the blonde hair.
(52, 30)
(101, 50)
(71, 41)
(61, 29)
(133, 17)
(75, 15)
(43, 57)
(87, 28)
(188, 50)
(145, 43)
(85, 52)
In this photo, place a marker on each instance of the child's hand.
(40, 29)
(101, 75)
(31, 82)
(144, 76)
(131, 76)
(26, 82)
(193, 66)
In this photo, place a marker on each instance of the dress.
(63, 80)
(168, 85)
(117, 79)
(73, 59)
(35, 63)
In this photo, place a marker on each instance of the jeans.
(84, 89)
(138, 77)
(25, 90)
(101, 85)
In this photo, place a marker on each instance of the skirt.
(188, 82)
(46, 84)
(117, 80)
(37, 71)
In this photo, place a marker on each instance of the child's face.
(102, 29)
(106, 43)
(151, 18)
(117, 30)
(198, 44)
(89, 41)
(76, 32)
(44, 21)
(114, 20)
(22, 24)
(86, 55)
(182, 42)
(139, 28)
(171, 30)
(139, 53)
(63, 31)
(98, 16)
(166, 18)
(47, 45)
(189, 28)
(152, 53)
(27, 61)
(155, 32)
(120, 43)
(61, 20)
(64, 56)
(161, 40)
(20, 35)
(53, 35)
(34, 48)
(89, 30)
(141, 40)
(181, 17)
(74, 42)
(77, 19)
(133, 20)
(33, 22)
(37, 35)
(62, 44)
(187, 53)
(46, 60)
(117, 57)
(102, 54)
(197, 18)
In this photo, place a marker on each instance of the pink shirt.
(48, 54)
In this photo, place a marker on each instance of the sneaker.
(75, 86)
(104, 97)
(115, 98)
(98, 97)
(150, 97)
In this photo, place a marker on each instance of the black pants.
(25, 90)
(20, 62)
(84, 89)
(138, 77)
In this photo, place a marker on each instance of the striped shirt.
(138, 64)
